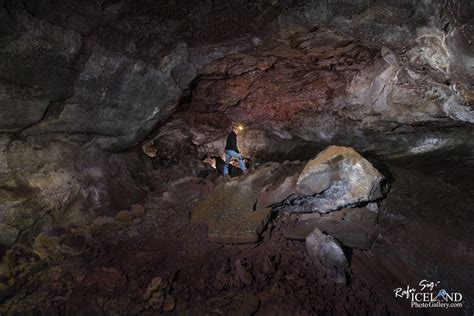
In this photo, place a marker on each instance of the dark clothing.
(220, 165)
(231, 142)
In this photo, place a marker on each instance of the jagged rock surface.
(98, 76)
(335, 178)
(79, 79)
(352, 227)
(237, 210)
(325, 249)
(386, 80)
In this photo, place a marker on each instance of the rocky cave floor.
(160, 262)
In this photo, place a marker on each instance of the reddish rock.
(125, 216)
(108, 279)
(187, 189)
(138, 210)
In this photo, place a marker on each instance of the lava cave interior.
(355, 121)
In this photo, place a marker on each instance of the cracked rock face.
(335, 178)
(79, 79)
(130, 91)
(341, 164)
(387, 80)
(55, 182)
(84, 83)
(37, 67)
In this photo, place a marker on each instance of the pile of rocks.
(334, 196)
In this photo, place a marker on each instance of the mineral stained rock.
(344, 164)
(336, 177)
(228, 211)
(385, 84)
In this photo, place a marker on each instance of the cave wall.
(389, 80)
(56, 184)
(82, 83)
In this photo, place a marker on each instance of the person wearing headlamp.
(231, 150)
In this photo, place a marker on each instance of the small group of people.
(232, 151)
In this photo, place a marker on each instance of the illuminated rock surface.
(230, 216)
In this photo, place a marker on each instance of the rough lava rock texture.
(80, 83)
(352, 227)
(325, 249)
(84, 83)
(343, 165)
(340, 164)
(131, 91)
(238, 209)
(337, 177)
(386, 79)
(229, 210)
(53, 185)
(89, 80)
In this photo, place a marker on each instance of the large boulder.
(229, 214)
(335, 178)
(277, 192)
(344, 164)
(229, 210)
